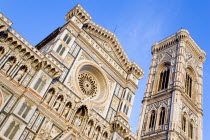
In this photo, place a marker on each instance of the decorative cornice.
(172, 40)
(130, 67)
(80, 13)
(95, 29)
(5, 19)
(16, 39)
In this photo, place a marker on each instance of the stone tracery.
(87, 84)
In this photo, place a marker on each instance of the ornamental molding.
(90, 82)
(95, 29)
(18, 44)
(181, 35)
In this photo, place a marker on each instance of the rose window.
(87, 84)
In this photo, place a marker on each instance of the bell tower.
(172, 104)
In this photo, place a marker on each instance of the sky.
(137, 24)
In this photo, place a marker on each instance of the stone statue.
(7, 66)
(78, 121)
(57, 104)
(66, 111)
(19, 75)
(49, 96)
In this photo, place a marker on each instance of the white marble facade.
(76, 84)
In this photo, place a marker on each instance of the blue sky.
(138, 24)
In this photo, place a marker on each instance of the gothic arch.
(8, 64)
(21, 72)
(152, 120)
(80, 116)
(162, 77)
(191, 88)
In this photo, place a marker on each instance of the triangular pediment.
(106, 46)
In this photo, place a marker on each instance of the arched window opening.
(62, 51)
(41, 82)
(67, 39)
(184, 123)
(162, 116)
(191, 130)
(67, 42)
(59, 48)
(24, 110)
(188, 85)
(125, 109)
(11, 130)
(164, 79)
(128, 98)
(152, 120)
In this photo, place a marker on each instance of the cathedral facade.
(76, 84)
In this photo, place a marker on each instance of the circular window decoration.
(87, 84)
(91, 82)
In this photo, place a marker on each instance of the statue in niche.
(20, 73)
(58, 103)
(8, 65)
(80, 115)
(49, 95)
(78, 121)
(66, 109)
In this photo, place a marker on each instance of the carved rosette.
(87, 84)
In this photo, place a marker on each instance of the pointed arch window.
(125, 109)
(41, 82)
(61, 49)
(162, 116)
(152, 119)
(184, 123)
(11, 130)
(164, 79)
(191, 130)
(67, 39)
(24, 110)
(188, 85)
